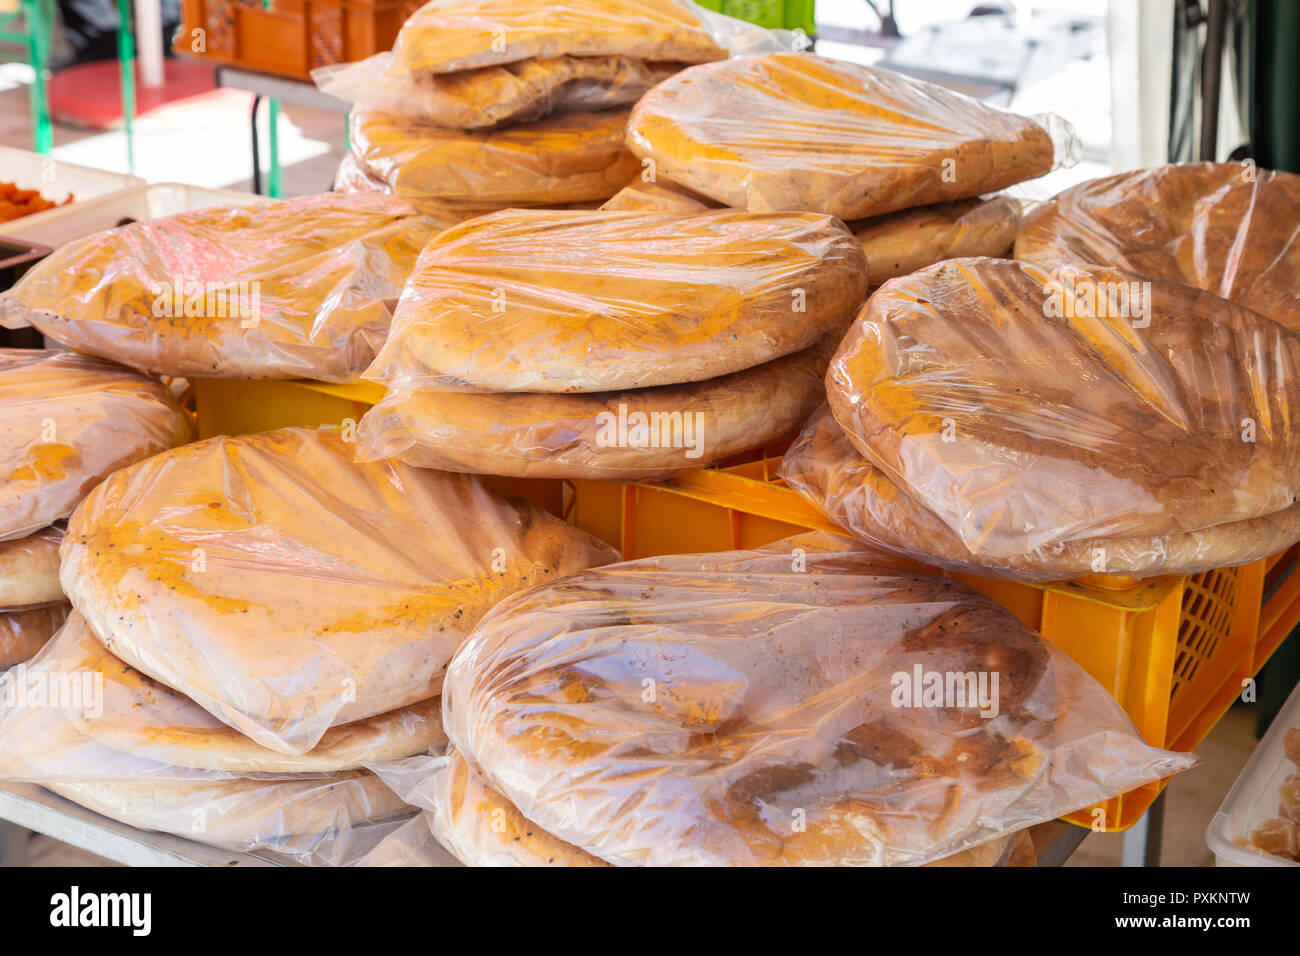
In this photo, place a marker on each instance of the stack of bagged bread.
(256, 619)
(903, 161)
(297, 288)
(66, 422)
(762, 708)
(603, 344)
(996, 417)
(487, 104)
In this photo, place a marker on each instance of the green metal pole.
(126, 62)
(274, 184)
(39, 25)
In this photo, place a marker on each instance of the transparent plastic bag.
(66, 422)
(76, 712)
(29, 569)
(296, 288)
(794, 131)
(659, 195)
(628, 435)
(824, 466)
(798, 704)
(494, 96)
(564, 158)
(445, 36)
(543, 301)
(24, 631)
(1029, 409)
(287, 589)
(1228, 228)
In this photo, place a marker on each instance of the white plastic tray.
(1254, 797)
(57, 180)
(55, 227)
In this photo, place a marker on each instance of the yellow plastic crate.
(1175, 651)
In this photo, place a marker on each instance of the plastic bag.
(66, 422)
(799, 704)
(902, 242)
(1228, 228)
(1028, 409)
(657, 196)
(565, 158)
(791, 131)
(75, 712)
(411, 844)
(641, 433)
(299, 288)
(29, 569)
(25, 631)
(445, 36)
(824, 466)
(286, 589)
(542, 301)
(494, 96)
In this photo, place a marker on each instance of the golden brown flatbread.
(1028, 409)
(858, 496)
(766, 708)
(657, 196)
(539, 301)
(635, 434)
(448, 35)
(794, 131)
(286, 589)
(24, 632)
(902, 242)
(564, 158)
(29, 569)
(296, 288)
(1227, 228)
(66, 422)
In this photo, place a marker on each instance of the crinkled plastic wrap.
(770, 708)
(29, 569)
(794, 131)
(77, 713)
(544, 301)
(628, 435)
(286, 589)
(1028, 409)
(902, 242)
(494, 96)
(24, 631)
(410, 845)
(564, 158)
(1228, 228)
(66, 422)
(445, 36)
(658, 195)
(823, 465)
(298, 288)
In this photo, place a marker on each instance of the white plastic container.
(1254, 797)
(55, 227)
(57, 180)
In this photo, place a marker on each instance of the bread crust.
(25, 631)
(903, 242)
(29, 569)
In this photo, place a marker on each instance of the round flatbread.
(24, 632)
(1228, 228)
(564, 158)
(544, 301)
(66, 422)
(1027, 409)
(657, 196)
(309, 818)
(299, 288)
(141, 717)
(757, 708)
(286, 589)
(794, 131)
(29, 569)
(444, 36)
(636, 434)
(902, 242)
(858, 496)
